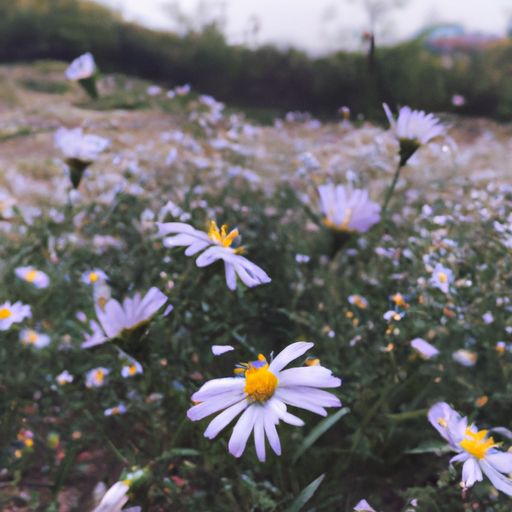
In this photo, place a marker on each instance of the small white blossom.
(81, 68)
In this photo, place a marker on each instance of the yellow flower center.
(221, 236)
(93, 277)
(477, 443)
(260, 382)
(31, 337)
(343, 226)
(31, 276)
(443, 278)
(132, 370)
(102, 301)
(359, 301)
(5, 313)
(99, 377)
(399, 300)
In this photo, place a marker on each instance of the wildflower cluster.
(115, 343)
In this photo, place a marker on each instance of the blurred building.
(453, 38)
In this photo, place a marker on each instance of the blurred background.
(274, 56)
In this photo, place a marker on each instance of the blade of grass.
(306, 494)
(318, 431)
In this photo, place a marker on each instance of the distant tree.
(208, 13)
(377, 14)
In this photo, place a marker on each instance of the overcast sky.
(321, 25)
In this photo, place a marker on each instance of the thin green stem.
(391, 189)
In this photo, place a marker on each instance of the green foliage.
(383, 450)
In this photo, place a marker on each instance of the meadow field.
(409, 310)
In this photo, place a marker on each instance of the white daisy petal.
(501, 482)
(314, 376)
(218, 387)
(204, 409)
(242, 431)
(471, 472)
(289, 354)
(224, 419)
(501, 461)
(259, 435)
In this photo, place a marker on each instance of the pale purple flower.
(474, 448)
(115, 499)
(424, 348)
(465, 357)
(262, 392)
(74, 144)
(33, 276)
(364, 506)
(488, 317)
(116, 319)
(346, 209)
(413, 128)
(441, 278)
(81, 68)
(96, 377)
(64, 378)
(115, 411)
(29, 337)
(414, 125)
(93, 276)
(13, 314)
(214, 246)
(131, 367)
(458, 100)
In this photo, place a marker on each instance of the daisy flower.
(131, 368)
(346, 209)
(358, 301)
(74, 144)
(465, 357)
(115, 499)
(64, 378)
(413, 128)
(116, 319)
(33, 276)
(83, 70)
(95, 378)
(34, 338)
(79, 149)
(261, 392)
(441, 278)
(399, 300)
(13, 314)
(182, 90)
(82, 67)
(474, 448)
(93, 276)
(216, 245)
(424, 348)
(115, 411)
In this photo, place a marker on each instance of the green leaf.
(179, 452)
(320, 429)
(438, 447)
(305, 495)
